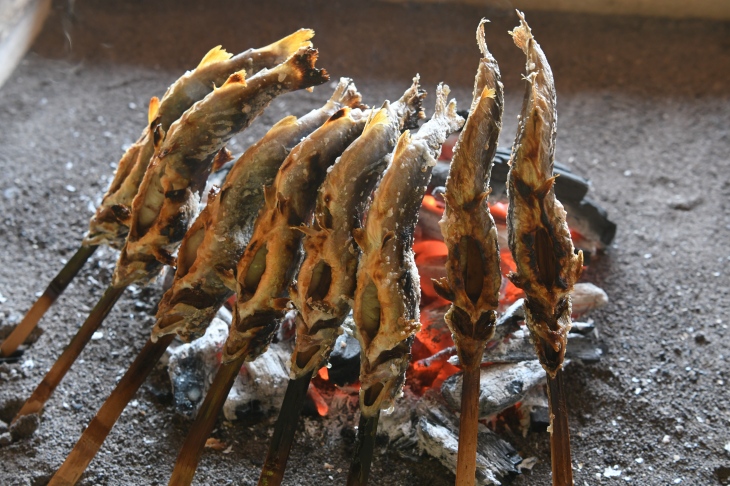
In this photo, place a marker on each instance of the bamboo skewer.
(286, 424)
(109, 225)
(473, 276)
(540, 241)
(192, 449)
(387, 296)
(267, 266)
(100, 426)
(45, 301)
(326, 280)
(367, 430)
(205, 265)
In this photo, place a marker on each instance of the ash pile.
(426, 419)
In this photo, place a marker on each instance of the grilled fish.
(326, 281)
(547, 264)
(213, 245)
(387, 295)
(110, 223)
(473, 275)
(268, 264)
(168, 196)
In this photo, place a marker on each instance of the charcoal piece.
(188, 377)
(345, 360)
(583, 328)
(501, 386)
(540, 418)
(438, 436)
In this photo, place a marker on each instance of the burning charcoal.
(259, 386)
(501, 386)
(584, 328)
(345, 360)
(437, 430)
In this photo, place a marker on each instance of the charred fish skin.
(110, 223)
(168, 196)
(388, 293)
(268, 264)
(213, 245)
(473, 272)
(326, 281)
(547, 264)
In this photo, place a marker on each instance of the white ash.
(500, 386)
(259, 386)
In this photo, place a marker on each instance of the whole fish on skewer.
(473, 274)
(168, 196)
(387, 295)
(547, 263)
(208, 255)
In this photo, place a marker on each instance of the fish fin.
(287, 120)
(214, 55)
(269, 195)
(153, 109)
(404, 141)
(443, 289)
(239, 77)
(360, 237)
(379, 117)
(221, 158)
(292, 43)
(280, 303)
(488, 92)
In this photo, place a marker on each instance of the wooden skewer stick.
(45, 301)
(90, 442)
(468, 428)
(560, 432)
(364, 447)
(43, 391)
(192, 449)
(281, 442)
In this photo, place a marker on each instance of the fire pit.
(53, 437)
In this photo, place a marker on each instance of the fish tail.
(410, 106)
(446, 111)
(522, 34)
(302, 66)
(346, 94)
(292, 43)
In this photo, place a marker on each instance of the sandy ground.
(644, 112)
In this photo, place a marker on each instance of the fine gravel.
(643, 112)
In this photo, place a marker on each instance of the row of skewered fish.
(320, 214)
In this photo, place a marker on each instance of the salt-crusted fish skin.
(110, 223)
(267, 266)
(387, 295)
(326, 281)
(547, 264)
(211, 248)
(473, 276)
(168, 197)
